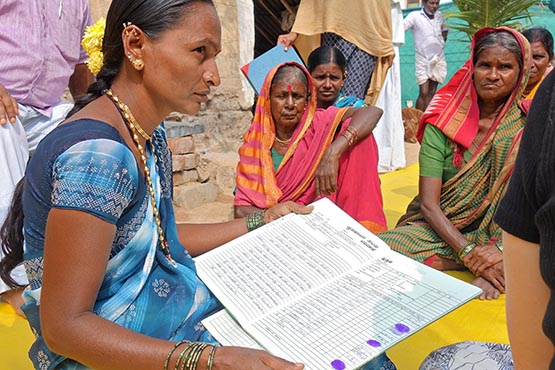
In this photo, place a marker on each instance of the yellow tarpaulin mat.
(15, 339)
(477, 320)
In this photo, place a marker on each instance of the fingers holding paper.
(235, 358)
(281, 209)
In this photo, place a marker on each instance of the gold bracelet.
(351, 135)
(192, 358)
(211, 357)
(465, 250)
(183, 356)
(353, 132)
(347, 135)
(177, 344)
(499, 245)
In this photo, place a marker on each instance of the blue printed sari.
(90, 168)
(344, 101)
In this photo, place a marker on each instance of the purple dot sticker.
(338, 365)
(374, 343)
(401, 329)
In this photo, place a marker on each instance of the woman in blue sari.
(111, 283)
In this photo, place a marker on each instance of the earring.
(138, 64)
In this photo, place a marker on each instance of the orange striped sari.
(359, 192)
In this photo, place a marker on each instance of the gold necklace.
(284, 142)
(131, 121)
(135, 128)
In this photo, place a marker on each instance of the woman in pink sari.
(296, 151)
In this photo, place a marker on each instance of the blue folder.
(258, 68)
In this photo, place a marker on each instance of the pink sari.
(359, 192)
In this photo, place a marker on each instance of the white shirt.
(428, 39)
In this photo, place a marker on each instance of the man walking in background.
(430, 33)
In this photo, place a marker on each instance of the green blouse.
(276, 158)
(436, 155)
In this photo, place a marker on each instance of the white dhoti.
(14, 153)
(390, 131)
(434, 69)
(16, 141)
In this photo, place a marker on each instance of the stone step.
(219, 210)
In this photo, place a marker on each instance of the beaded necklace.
(135, 128)
(284, 142)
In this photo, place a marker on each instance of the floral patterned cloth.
(470, 355)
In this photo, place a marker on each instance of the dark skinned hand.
(325, 177)
(8, 107)
(281, 209)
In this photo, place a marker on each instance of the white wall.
(245, 11)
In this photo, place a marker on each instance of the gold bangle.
(211, 357)
(183, 356)
(191, 360)
(347, 135)
(353, 132)
(351, 135)
(465, 250)
(170, 353)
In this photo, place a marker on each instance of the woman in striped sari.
(469, 139)
(297, 151)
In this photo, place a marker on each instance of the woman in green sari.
(469, 139)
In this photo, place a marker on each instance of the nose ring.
(210, 74)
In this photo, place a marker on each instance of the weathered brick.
(182, 145)
(184, 177)
(183, 162)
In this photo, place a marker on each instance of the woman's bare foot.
(13, 298)
(488, 290)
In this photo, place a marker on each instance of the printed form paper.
(322, 290)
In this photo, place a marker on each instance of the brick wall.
(205, 157)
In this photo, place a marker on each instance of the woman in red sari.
(296, 151)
